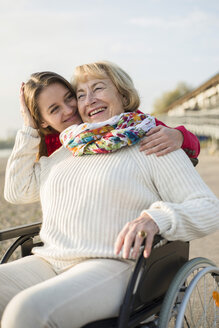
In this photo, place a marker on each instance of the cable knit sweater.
(87, 200)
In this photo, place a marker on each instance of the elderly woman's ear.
(124, 100)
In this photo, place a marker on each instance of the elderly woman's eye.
(97, 88)
(80, 96)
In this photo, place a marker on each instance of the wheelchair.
(164, 290)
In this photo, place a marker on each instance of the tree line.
(8, 143)
(167, 98)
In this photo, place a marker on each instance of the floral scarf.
(119, 131)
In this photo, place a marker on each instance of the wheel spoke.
(187, 323)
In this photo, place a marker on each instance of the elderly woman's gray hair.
(117, 75)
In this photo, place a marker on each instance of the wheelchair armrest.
(23, 230)
(157, 239)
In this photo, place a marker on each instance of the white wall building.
(198, 110)
(205, 97)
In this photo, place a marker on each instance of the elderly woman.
(93, 203)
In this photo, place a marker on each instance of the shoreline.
(5, 153)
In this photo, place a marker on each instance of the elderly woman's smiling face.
(98, 100)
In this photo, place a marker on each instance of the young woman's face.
(98, 100)
(58, 107)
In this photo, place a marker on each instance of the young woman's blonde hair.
(32, 89)
(117, 75)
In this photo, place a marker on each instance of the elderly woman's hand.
(161, 140)
(132, 233)
(27, 118)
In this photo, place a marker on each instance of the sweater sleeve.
(191, 144)
(22, 177)
(188, 209)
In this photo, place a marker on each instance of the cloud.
(133, 48)
(202, 60)
(13, 6)
(31, 34)
(196, 18)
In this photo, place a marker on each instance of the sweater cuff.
(30, 131)
(161, 218)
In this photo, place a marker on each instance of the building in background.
(198, 110)
(204, 98)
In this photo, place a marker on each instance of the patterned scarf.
(119, 131)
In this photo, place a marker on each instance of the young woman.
(91, 203)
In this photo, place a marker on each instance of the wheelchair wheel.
(204, 287)
(199, 309)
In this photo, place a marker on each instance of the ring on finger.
(142, 234)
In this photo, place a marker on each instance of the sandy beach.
(208, 168)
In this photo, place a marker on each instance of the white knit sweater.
(87, 200)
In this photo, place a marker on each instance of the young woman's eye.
(54, 110)
(70, 97)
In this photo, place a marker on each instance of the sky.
(157, 42)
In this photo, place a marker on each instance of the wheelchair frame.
(157, 292)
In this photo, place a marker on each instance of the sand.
(208, 168)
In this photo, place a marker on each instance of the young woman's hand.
(133, 234)
(27, 118)
(161, 140)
